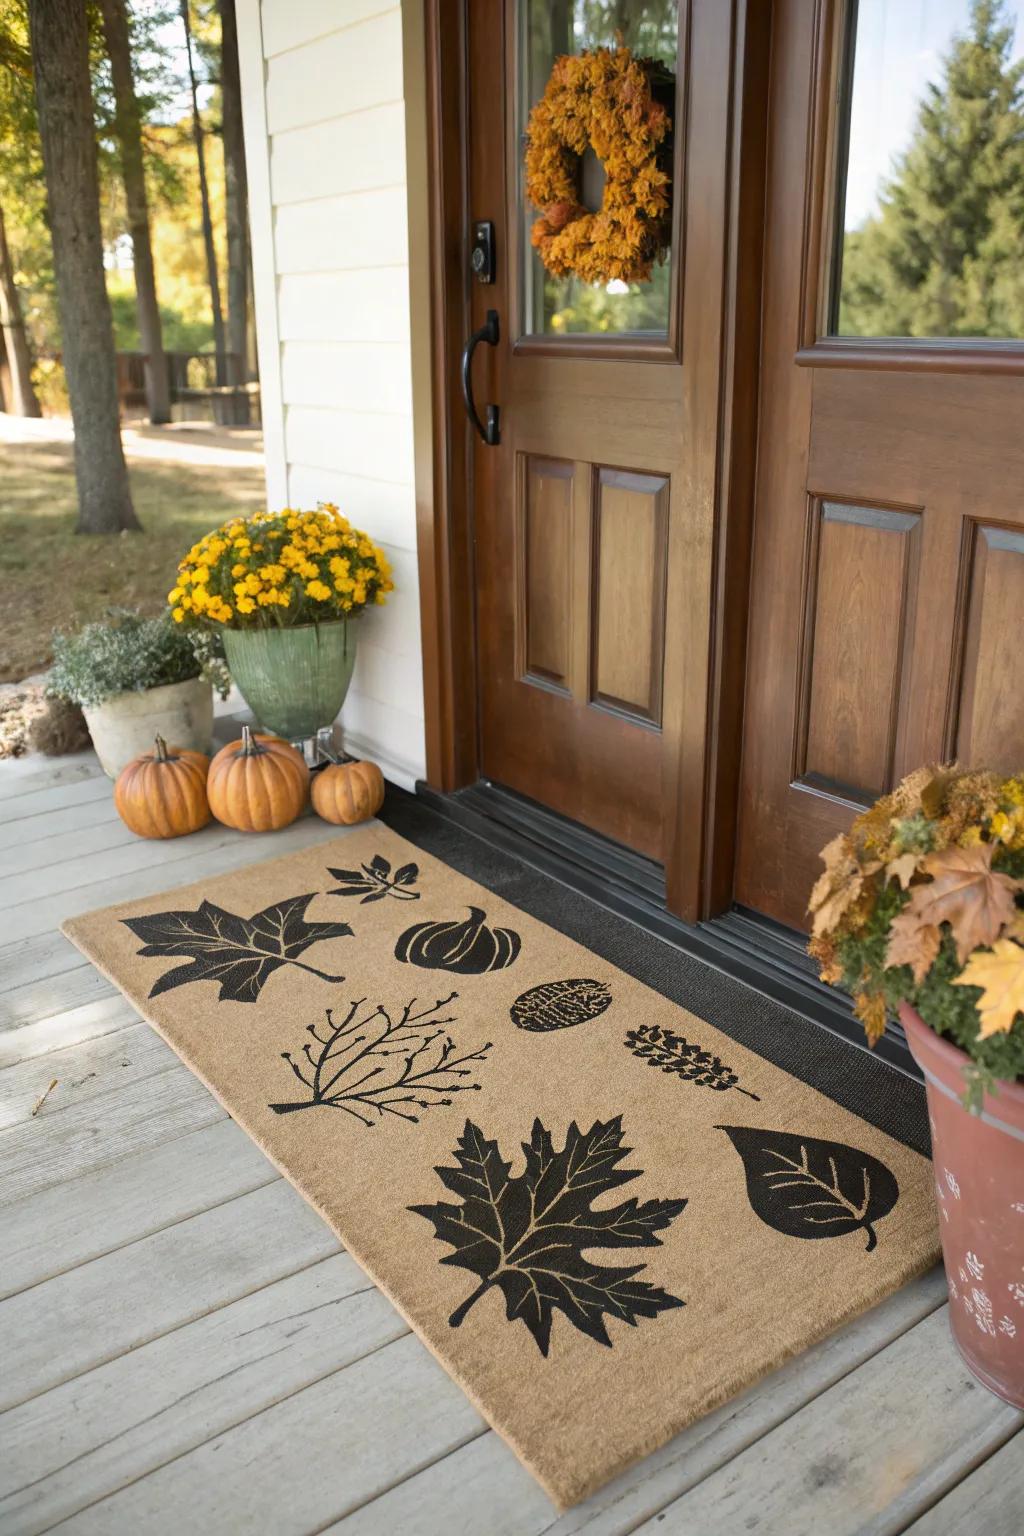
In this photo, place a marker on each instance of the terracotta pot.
(979, 1179)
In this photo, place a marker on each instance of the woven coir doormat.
(602, 1215)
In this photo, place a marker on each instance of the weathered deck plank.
(90, 1437)
(178, 862)
(81, 1071)
(114, 1304)
(449, 1494)
(360, 1429)
(868, 1455)
(56, 1032)
(990, 1500)
(116, 1124)
(83, 1218)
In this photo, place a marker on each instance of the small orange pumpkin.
(346, 793)
(258, 784)
(163, 792)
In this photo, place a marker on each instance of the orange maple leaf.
(913, 943)
(1000, 974)
(968, 894)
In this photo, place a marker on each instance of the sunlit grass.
(52, 578)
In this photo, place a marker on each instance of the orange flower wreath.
(603, 99)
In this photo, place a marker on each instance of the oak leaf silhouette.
(527, 1234)
(238, 952)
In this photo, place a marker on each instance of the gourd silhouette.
(468, 948)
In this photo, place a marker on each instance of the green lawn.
(51, 578)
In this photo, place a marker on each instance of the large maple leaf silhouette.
(239, 952)
(527, 1234)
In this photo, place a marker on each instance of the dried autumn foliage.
(922, 901)
(966, 892)
(603, 99)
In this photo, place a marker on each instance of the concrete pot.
(124, 726)
(979, 1179)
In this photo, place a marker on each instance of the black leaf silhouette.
(239, 952)
(809, 1188)
(560, 1004)
(527, 1234)
(672, 1053)
(374, 881)
(376, 1066)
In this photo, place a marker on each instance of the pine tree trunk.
(128, 127)
(19, 391)
(60, 64)
(236, 196)
(204, 195)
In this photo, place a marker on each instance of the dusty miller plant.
(128, 653)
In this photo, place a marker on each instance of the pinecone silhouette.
(673, 1053)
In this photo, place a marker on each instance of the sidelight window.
(930, 171)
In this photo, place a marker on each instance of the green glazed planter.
(293, 680)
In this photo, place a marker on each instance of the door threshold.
(745, 945)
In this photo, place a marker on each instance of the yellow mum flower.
(174, 595)
(245, 605)
(177, 614)
(318, 590)
(238, 570)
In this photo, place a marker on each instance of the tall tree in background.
(60, 63)
(942, 257)
(204, 195)
(128, 129)
(19, 393)
(236, 194)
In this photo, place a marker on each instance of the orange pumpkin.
(346, 793)
(163, 792)
(258, 784)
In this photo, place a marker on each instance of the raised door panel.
(990, 713)
(862, 566)
(629, 566)
(544, 554)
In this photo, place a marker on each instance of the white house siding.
(326, 133)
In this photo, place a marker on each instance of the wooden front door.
(578, 508)
(888, 558)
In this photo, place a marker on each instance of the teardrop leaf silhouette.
(809, 1188)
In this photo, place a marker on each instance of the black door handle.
(488, 332)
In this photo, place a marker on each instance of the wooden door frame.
(721, 327)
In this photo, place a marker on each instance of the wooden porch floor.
(186, 1347)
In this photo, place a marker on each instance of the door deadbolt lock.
(481, 257)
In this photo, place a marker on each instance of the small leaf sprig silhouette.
(374, 881)
(526, 1234)
(673, 1053)
(371, 1065)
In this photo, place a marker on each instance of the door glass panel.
(548, 29)
(930, 210)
